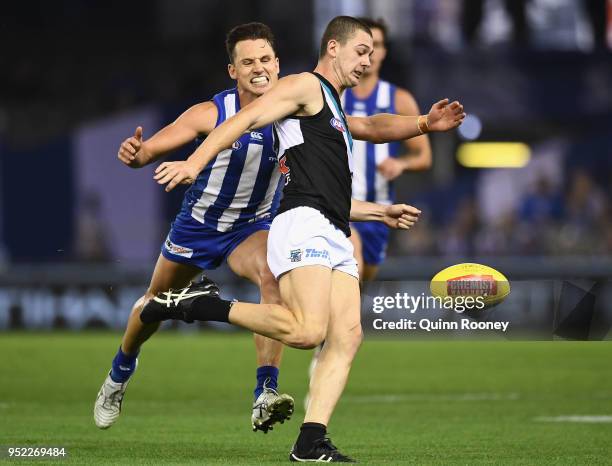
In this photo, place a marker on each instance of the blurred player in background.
(375, 166)
(225, 215)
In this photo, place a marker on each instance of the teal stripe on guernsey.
(340, 112)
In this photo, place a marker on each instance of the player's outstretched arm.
(287, 97)
(400, 216)
(386, 127)
(195, 121)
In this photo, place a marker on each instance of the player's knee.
(314, 339)
(306, 338)
(348, 342)
(355, 338)
(140, 304)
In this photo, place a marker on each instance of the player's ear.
(332, 48)
(277, 65)
(383, 53)
(231, 69)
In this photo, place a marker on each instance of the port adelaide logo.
(337, 124)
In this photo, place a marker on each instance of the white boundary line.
(587, 419)
(382, 398)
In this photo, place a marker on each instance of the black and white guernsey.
(315, 155)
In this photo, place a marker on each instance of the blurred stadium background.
(79, 232)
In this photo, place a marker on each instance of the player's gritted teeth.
(260, 81)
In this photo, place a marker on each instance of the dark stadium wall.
(38, 197)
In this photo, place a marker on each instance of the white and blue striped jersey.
(241, 184)
(368, 184)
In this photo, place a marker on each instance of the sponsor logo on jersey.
(337, 124)
(284, 169)
(295, 255)
(177, 250)
(316, 253)
(257, 218)
(237, 145)
(256, 136)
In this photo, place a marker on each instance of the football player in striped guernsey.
(225, 216)
(375, 166)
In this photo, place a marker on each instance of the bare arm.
(195, 121)
(292, 94)
(386, 127)
(394, 216)
(418, 150)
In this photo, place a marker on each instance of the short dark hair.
(377, 23)
(248, 31)
(341, 28)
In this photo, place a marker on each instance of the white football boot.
(108, 402)
(269, 408)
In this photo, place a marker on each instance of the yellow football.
(475, 280)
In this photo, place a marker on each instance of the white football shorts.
(303, 236)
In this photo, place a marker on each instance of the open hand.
(444, 116)
(401, 216)
(174, 173)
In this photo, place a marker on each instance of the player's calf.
(200, 301)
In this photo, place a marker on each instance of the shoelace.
(327, 444)
(265, 386)
(174, 296)
(110, 399)
(264, 404)
(209, 286)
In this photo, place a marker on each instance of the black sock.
(209, 308)
(309, 432)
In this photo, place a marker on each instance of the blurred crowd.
(575, 220)
(528, 68)
(73, 61)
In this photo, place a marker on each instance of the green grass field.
(420, 402)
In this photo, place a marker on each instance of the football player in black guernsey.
(309, 251)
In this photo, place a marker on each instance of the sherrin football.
(471, 280)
